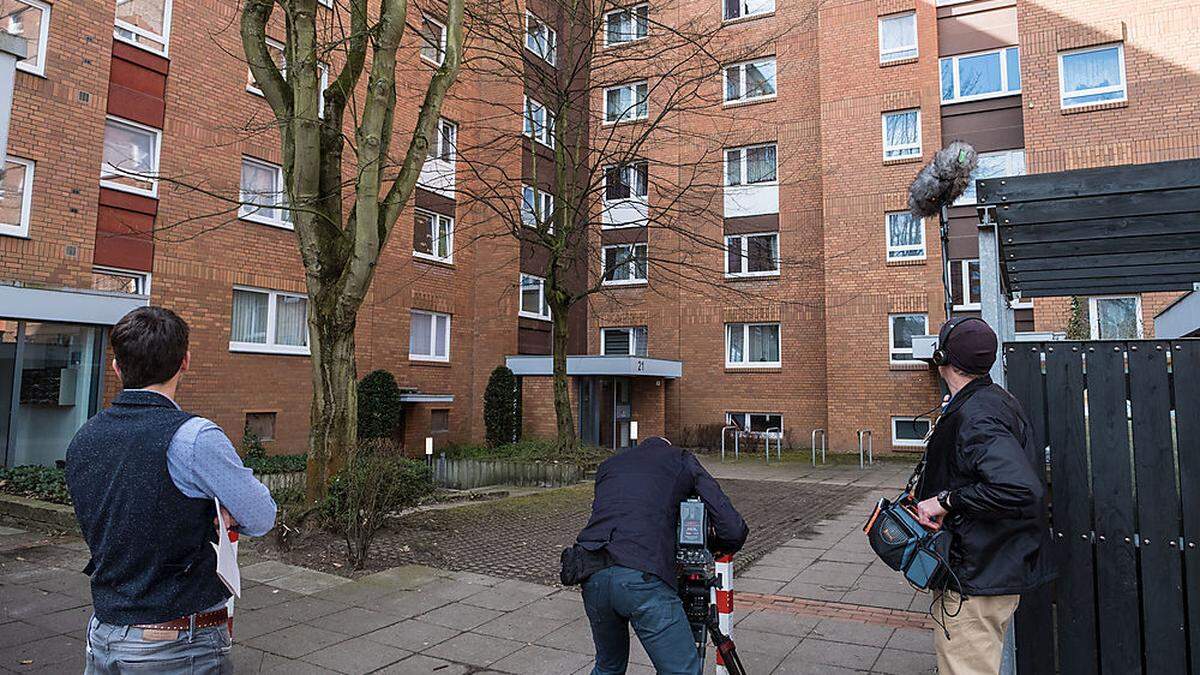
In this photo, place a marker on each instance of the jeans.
(618, 596)
(115, 650)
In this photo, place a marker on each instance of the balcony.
(751, 200)
(437, 175)
(632, 212)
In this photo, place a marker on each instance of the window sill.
(742, 103)
(621, 123)
(767, 368)
(625, 284)
(627, 226)
(535, 317)
(15, 235)
(246, 348)
(626, 43)
(269, 222)
(1093, 107)
(744, 19)
(908, 365)
(980, 97)
(36, 73)
(915, 159)
(766, 276)
(121, 187)
(143, 47)
(436, 363)
(899, 62)
(906, 262)
(973, 307)
(446, 263)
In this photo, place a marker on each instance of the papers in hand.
(227, 566)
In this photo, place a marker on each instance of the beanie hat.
(970, 345)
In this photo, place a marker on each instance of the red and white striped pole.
(722, 597)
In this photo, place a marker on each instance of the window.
(144, 23)
(269, 322)
(533, 298)
(993, 165)
(433, 40)
(444, 143)
(623, 341)
(905, 236)
(750, 81)
(626, 103)
(739, 9)
(130, 157)
(897, 37)
(531, 215)
(901, 330)
(1092, 75)
(539, 123)
(260, 425)
(540, 38)
(625, 264)
(752, 255)
(626, 25)
(1115, 317)
(276, 49)
(751, 345)
(965, 284)
(983, 75)
(756, 423)
(433, 236)
(114, 280)
(439, 420)
(750, 165)
(909, 431)
(429, 336)
(264, 195)
(902, 134)
(16, 197)
(29, 19)
(628, 181)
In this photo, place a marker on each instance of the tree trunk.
(333, 433)
(562, 393)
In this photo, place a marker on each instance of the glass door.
(622, 411)
(9, 330)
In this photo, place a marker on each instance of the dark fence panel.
(1185, 362)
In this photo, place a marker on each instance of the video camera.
(695, 570)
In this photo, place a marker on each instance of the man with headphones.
(983, 482)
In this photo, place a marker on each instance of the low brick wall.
(276, 481)
(38, 512)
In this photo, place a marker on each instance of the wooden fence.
(1121, 421)
(464, 474)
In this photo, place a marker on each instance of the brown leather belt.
(203, 620)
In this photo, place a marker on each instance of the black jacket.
(983, 451)
(636, 509)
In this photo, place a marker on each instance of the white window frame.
(917, 146)
(322, 70)
(633, 340)
(435, 222)
(1012, 168)
(546, 137)
(1123, 88)
(252, 212)
(21, 229)
(745, 256)
(964, 275)
(743, 15)
(632, 198)
(746, 345)
(890, 56)
(270, 346)
(741, 66)
(544, 315)
(631, 263)
(43, 37)
(142, 278)
(551, 39)
(908, 442)
(1094, 314)
(107, 183)
(744, 166)
(893, 250)
(439, 139)
(165, 38)
(746, 426)
(633, 115)
(441, 48)
(632, 12)
(956, 97)
(432, 336)
(892, 350)
(546, 207)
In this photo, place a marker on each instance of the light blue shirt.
(204, 464)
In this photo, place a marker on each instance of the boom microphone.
(942, 180)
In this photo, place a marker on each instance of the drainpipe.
(12, 49)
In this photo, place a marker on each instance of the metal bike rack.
(725, 428)
(870, 447)
(814, 446)
(778, 443)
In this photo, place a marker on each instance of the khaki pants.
(976, 633)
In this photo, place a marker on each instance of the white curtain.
(249, 317)
(419, 335)
(12, 191)
(760, 78)
(900, 131)
(903, 230)
(764, 343)
(898, 39)
(736, 337)
(147, 14)
(291, 320)
(733, 167)
(760, 164)
(440, 330)
(1091, 70)
(129, 149)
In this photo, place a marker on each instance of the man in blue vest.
(143, 474)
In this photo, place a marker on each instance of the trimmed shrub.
(46, 483)
(703, 436)
(379, 408)
(361, 496)
(501, 408)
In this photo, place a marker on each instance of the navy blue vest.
(152, 558)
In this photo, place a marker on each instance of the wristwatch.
(943, 498)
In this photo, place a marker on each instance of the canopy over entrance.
(592, 364)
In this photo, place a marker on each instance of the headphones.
(940, 356)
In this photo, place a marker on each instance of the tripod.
(724, 645)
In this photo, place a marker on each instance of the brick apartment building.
(805, 322)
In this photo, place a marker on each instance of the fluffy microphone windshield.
(942, 180)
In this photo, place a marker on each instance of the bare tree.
(623, 126)
(342, 208)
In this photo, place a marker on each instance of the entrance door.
(622, 411)
(589, 411)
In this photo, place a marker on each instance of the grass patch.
(530, 451)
